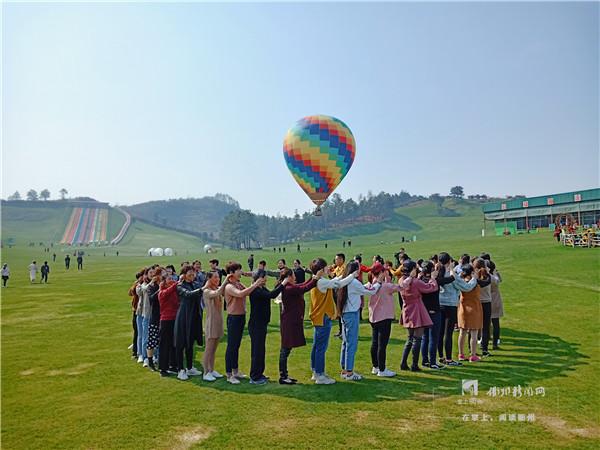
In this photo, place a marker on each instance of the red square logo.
(503, 206)
(550, 201)
(525, 204)
(577, 197)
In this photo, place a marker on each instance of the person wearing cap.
(381, 315)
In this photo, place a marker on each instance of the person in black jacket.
(300, 272)
(260, 316)
(188, 327)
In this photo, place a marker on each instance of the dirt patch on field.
(561, 428)
(185, 438)
(77, 370)
(27, 372)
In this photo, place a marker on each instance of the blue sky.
(134, 102)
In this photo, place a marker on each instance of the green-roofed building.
(523, 214)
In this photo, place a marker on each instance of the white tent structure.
(209, 249)
(150, 251)
(169, 251)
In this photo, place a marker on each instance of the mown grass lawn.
(68, 380)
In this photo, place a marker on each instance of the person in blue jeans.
(348, 301)
(431, 300)
(322, 313)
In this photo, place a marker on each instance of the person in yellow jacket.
(337, 271)
(322, 312)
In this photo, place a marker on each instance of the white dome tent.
(169, 251)
(151, 251)
(209, 249)
(158, 252)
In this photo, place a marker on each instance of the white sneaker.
(352, 377)
(386, 373)
(193, 372)
(375, 370)
(208, 377)
(216, 374)
(233, 380)
(313, 377)
(182, 375)
(130, 347)
(240, 375)
(146, 362)
(324, 379)
(140, 359)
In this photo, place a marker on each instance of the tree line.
(33, 196)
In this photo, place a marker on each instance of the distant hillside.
(38, 221)
(200, 216)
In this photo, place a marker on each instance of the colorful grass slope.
(86, 225)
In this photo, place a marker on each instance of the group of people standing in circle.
(172, 312)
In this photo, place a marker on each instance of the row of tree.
(243, 229)
(32, 195)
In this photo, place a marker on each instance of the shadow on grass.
(525, 358)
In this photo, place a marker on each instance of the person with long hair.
(212, 295)
(154, 323)
(188, 325)
(169, 305)
(431, 300)
(292, 319)
(235, 299)
(322, 313)
(135, 299)
(448, 298)
(260, 316)
(145, 312)
(382, 311)
(497, 305)
(348, 302)
(484, 281)
(470, 312)
(415, 317)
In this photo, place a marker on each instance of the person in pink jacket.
(382, 311)
(414, 314)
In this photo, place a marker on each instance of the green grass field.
(68, 380)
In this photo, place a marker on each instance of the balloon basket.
(318, 212)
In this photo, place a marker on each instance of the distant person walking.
(251, 262)
(53, 257)
(45, 269)
(32, 271)
(5, 274)
(67, 262)
(79, 262)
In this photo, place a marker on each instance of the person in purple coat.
(292, 318)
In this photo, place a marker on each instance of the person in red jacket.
(169, 304)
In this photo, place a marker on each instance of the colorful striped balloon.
(319, 151)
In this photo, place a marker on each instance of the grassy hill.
(198, 215)
(456, 219)
(40, 223)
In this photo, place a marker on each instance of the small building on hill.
(521, 214)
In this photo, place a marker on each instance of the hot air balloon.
(319, 151)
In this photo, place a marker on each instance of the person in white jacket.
(5, 274)
(348, 302)
(32, 271)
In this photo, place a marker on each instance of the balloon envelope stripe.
(307, 172)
